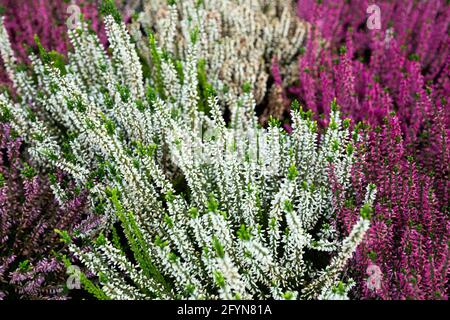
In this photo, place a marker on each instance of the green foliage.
(28, 171)
(366, 211)
(293, 172)
(244, 233)
(137, 243)
(218, 247)
(53, 57)
(65, 237)
(156, 66)
(108, 7)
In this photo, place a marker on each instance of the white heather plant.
(238, 38)
(208, 209)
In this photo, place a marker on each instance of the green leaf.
(295, 105)
(288, 295)
(156, 65)
(65, 237)
(28, 171)
(346, 123)
(110, 127)
(366, 211)
(5, 115)
(372, 256)
(25, 265)
(247, 87)
(334, 105)
(274, 122)
(92, 288)
(160, 243)
(193, 212)
(219, 279)
(168, 221)
(108, 7)
(218, 247)
(244, 233)
(124, 93)
(288, 206)
(101, 240)
(213, 204)
(350, 149)
(194, 35)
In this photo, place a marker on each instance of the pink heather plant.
(408, 239)
(419, 27)
(370, 75)
(47, 19)
(408, 158)
(29, 213)
(365, 94)
(366, 91)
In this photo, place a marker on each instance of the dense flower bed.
(132, 151)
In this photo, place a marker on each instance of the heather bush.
(371, 73)
(239, 39)
(408, 237)
(47, 19)
(374, 72)
(420, 28)
(402, 67)
(367, 91)
(195, 198)
(29, 213)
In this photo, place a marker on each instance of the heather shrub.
(29, 213)
(196, 199)
(420, 29)
(238, 39)
(401, 67)
(407, 243)
(47, 19)
(374, 72)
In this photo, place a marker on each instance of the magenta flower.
(47, 19)
(408, 238)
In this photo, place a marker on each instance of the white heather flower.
(238, 38)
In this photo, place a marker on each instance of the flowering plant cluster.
(238, 39)
(30, 267)
(408, 238)
(174, 155)
(48, 20)
(401, 68)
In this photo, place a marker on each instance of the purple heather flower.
(408, 238)
(29, 213)
(370, 76)
(47, 19)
